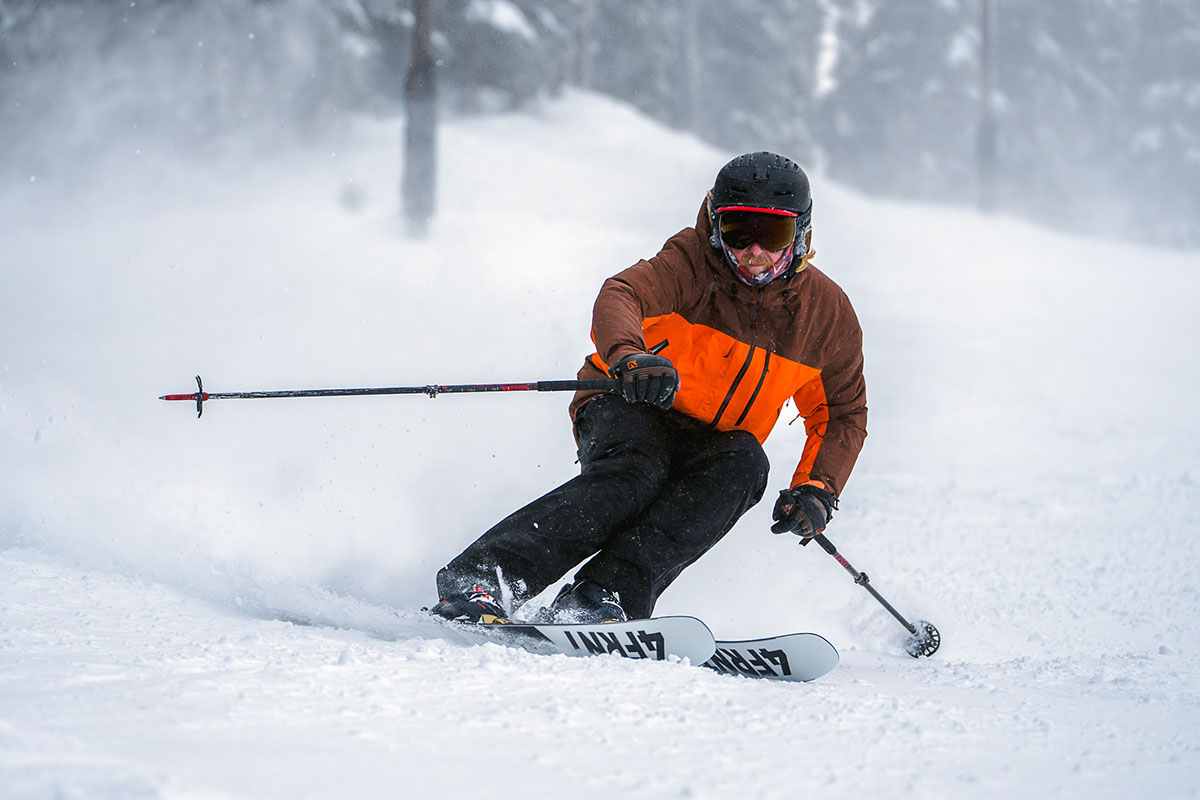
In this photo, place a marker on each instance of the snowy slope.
(208, 609)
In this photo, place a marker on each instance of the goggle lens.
(740, 229)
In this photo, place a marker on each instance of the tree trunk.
(694, 65)
(418, 182)
(585, 45)
(985, 145)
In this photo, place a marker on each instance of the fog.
(1076, 114)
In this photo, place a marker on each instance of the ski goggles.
(742, 227)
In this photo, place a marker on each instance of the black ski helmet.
(762, 181)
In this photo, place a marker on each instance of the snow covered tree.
(903, 116)
(1162, 146)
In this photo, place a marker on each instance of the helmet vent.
(762, 180)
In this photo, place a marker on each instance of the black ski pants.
(657, 490)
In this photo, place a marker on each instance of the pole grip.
(826, 545)
(602, 384)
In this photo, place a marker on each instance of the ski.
(654, 639)
(791, 657)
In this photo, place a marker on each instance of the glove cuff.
(638, 359)
(827, 498)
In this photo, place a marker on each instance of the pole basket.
(925, 642)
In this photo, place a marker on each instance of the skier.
(707, 340)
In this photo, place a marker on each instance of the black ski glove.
(646, 378)
(803, 510)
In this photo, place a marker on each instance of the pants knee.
(641, 467)
(624, 440)
(748, 463)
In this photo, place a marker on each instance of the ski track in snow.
(117, 687)
(188, 683)
(208, 609)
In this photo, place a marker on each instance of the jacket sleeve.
(648, 289)
(834, 407)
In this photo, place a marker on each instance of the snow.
(502, 15)
(228, 608)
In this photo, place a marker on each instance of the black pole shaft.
(200, 396)
(432, 390)
(862, 580)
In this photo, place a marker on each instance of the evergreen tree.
(904, 115)
(1162, 148)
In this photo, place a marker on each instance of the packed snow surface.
(229, 607)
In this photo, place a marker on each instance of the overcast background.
(1094, 107)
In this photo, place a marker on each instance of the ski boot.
(474, 605)
(585, 602)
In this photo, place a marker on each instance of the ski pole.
(923, 639)
(200, 397)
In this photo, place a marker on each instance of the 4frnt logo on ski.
(636, 644)
(792, 657)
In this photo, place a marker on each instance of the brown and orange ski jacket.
(742, 352)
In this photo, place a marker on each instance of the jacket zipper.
(733, 387)
(761, 380)
(746, 366)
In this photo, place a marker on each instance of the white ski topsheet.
(655, 639)
(791, 657)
